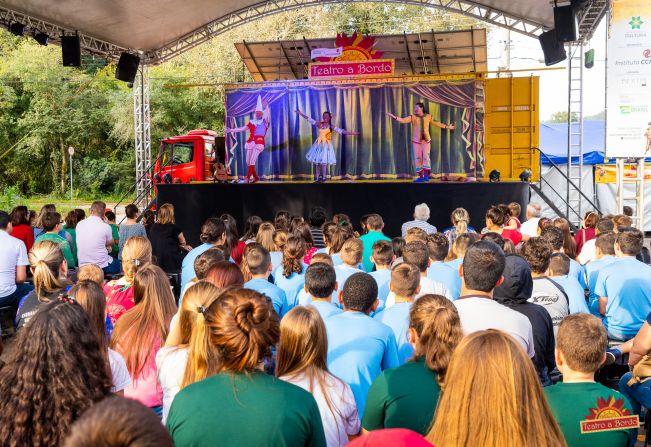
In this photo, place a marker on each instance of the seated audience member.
(490, 363)
(242, 328)
(54, 371)
(71, 229)
(233, 244)
(621, 221)
(588, 232)
(394, 437)
(421, 216)
(559, 269)
(167, 241)
(118, 422)
(495, 220)
(136, 253)
(303, 231)
(375, 225)
(244, 266)
(481, 272)
(514, 293)
(13, 265)
(90, 272)
(184, 345)
(636, 387)
(213, 234)
(302, 361)
(460, 225)
(95, 239)
(588, 251)
(49, 270)
(398, 244)
(251, 227)
(351, 256)
(280, 239)
(38, 224)
(513, 216)
(20, 226)
(530, 226)
(323, 258)
(337, 240)
(91, 298)
(141, 332)
(148, 220)
(382, 257)
(569, 246)
(546, 292)
(115, 229)
(281, 220)
(202, 263)
(406, 397)
(543, 224)
(316, 219)
(359, 347)
(265, 236)
(290, 276)
(225, 274)
(624, 288)
(580, 352)
(554, 237)
(605, 255)
(130, 227)
(51, 228)
(320, 284)
(405, 285)
(438, 271)
(259, 264)
(416, 234)
(459, 248)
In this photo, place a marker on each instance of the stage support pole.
(142, 127)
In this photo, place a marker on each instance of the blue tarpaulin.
(553, 142)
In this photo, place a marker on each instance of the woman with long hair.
(588, 232)
(141, 332)
(233, 246)
(136, 253)
(301, 359)
(491, 379)
(251, 227)
(337, 239)
(569, 245)
(130, 227)
(265, 236)
(304, 231)
(290, 276)
(38, 226)
(49, 271)
(91, 298)
(186, 344)
(460, 225)
(242, 328)
(21, 229)
(280, 239)
(406, 397)
(244, 266)
(167, 241)
(53, 373)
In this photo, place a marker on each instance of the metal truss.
(142, 127)
(590, 17)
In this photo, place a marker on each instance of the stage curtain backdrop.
(382, 151)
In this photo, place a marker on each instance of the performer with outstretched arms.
(254, 146)
(421, 139)
(322, 153)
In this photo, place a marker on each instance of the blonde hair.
(135, 254)
(352, 251)
(322, 258)
(460, 219)
(265, 236)
(583, 341)
(45, 259)
(280, 239)
(490, 379)
(90, 272)
(165, 214)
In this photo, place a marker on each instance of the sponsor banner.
(601, 425)
(326, 52)
(608, 173)
(351, 69)
(628, 132)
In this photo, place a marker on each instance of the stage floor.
(393, 200)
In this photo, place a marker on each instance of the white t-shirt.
(427, 287)
(344, 420)
(12, 254)
(119, 372)
(170, 363)
(588, 252)
(530, 227)
(92, 236)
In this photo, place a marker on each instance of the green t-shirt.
(368, 240)
(115, 248)
(572, 403)
(403, 397)
(245, 410)
(73, 234)
(65, 247)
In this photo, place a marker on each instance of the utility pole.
(71, 152)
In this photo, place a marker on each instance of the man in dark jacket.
(514, 293)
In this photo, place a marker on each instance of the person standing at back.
(375, 225)
(167, 240)
(95, 240)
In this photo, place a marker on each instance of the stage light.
(525, 176)
(41, 38)
(17, 28)
(494, 176)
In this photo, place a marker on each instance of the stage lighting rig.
(17, 29)
(525, 176)
(494, 176)
(41, 38)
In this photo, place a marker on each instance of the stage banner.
(351, 69)
(382, 150)
(608, 173)
(628, 131)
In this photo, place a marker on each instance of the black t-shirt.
(164, 240)
(31, 304)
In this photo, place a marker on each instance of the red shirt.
(119, 298)
(583, 236)
(514, 235)
(25, 234)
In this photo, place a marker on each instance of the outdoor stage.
(394, 201)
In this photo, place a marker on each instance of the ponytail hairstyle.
(460, 219)
(265, 236)
(232, 236)
(45, 259)
(496, 216)
(304, 231)
(243, 327)
(438, 327)
(244, 265)
(280, 239)
(293, 253)
(91, 298)
(135, 254)
(338, 238)
(328, 229)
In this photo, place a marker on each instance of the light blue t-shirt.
(397, 318)
(368, 240)
(626, 283)
(382, 278)
(592, 270)
(273, 292)
(454, 264)
(291, 286)
(187, 266)
(578, 272)
(575, 293)
(343, 272)
(442, 273)
(336, 260)
(325, 309)
(276, 259)
(359, 349)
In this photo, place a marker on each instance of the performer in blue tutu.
(322, 153)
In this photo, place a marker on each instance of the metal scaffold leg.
(142, 126)
(638, 199)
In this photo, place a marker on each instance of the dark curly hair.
(293, 253)
(53, 374)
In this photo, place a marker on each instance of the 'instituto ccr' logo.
(609, 415)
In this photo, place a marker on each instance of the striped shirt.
(317, 237)
(422, 224)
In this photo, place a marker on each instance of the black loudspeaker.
(553, 50)
(71, 50)
(565, 23)
(127, 67)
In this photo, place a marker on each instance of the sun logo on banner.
(608, 409)
(355, 48)
(609, 415)
(636, 22)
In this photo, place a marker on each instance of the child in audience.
(495, 221)
(438, 271)
(407, 396)
(588, 249)
(91, 272)
(405, 285)
(580, 352)
(513, 216)
(51, 223)
(281, 220)
(604, 255)
(554, 237)
(302, 361)
(351, 256)
(569, 245)
(54, 371)
(416, 234)
(258, 261)
(320, 285)
(280, 239)
(398, 244)
(225, 274)
(304, 231)
(265, 236)
(382, 257)
(375, 225)
(328, 228)
(115, 229)
(21, 228)
(459, 248)
(185, 346)
(213, 235)
(129, 227)
(460, 225)
(337, 239)
(359, 347)
(70, 228)
(559, 269)
(323, 258)
(290, 276)
(142, 331)
(244, 266)
(253, 408)
(493, 398)
(202, 263)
